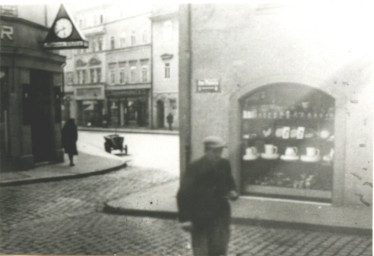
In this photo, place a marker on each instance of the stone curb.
(58, 178)
(240, 221)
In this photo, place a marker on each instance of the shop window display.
(287, 137)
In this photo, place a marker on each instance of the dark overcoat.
(170, 118)
(203, 192)
(69, 138)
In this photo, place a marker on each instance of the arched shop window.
(287, 133)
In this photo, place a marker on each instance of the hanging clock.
(63, 28)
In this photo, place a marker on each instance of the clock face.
(63, 28)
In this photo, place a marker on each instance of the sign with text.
(208, 85)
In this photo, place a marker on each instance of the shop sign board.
(90, 93)
(208, 85)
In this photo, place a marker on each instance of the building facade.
(31, 85)
(165, 57)
(109, 84)
(290, 94)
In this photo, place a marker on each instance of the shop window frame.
(340, 127)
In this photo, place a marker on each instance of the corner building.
(31, 89)
(289, 87)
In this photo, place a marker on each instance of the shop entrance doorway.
(160, 114)
(41, 120)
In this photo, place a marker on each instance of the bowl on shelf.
(289, 158)
(310, 159)
(269, 156)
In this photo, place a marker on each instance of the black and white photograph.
(202, 128)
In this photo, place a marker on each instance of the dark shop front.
(31, 86)
(128, 108)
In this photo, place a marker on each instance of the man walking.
(203, 200)
(170, 119)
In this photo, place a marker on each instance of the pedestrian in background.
(69, 139)
(202, 200)
(170, 119)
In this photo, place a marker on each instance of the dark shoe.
(71, 164)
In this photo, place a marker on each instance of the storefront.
(90, 105)
(31, 85)
(128, 108)
(292, 106)
(287, 145)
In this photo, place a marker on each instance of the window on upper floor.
(167, 30)
(133, 77)
(93, 46)
(95, 75)
(101, 18)
(167, 70)
(98, 75)
(81, 76)
(112, 76)
(133, 38)
(144, 74)
(100, 43)
(92, 76)
(122, 40)
(78, 74)
(122, 76)
(145, 36)
(84, 77)
(112, 43)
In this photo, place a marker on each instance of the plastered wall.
(243, 44)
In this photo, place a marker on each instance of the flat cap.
(214, 142)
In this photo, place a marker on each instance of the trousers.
(211, 237)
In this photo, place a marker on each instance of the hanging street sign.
(64, 34)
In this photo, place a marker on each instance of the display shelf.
(284, 117)
(281, 140)
(289, 192)
(299, 161)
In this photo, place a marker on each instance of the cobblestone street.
(66, 217)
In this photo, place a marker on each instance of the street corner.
(157, 201)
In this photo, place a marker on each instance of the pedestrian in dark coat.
(69, 139)
(170, 119)
(202, 200)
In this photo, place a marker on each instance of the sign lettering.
(66, 45)
(208, 85)
(7, 31)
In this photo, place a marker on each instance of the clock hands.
(61, 29)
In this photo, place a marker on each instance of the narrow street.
(146, 150)
(66, 217)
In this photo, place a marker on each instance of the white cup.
(312, 151)
(270, 149)
(291, 151)
(252, 151)
(324, 134)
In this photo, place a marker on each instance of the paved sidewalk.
(160, 201)
(85, 164)
(130, 130)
